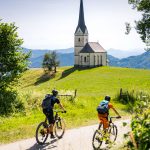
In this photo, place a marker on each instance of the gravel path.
(74, 139)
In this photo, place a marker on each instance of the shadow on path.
(46, 146)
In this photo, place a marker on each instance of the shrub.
(139, 103)
(128, 98)
(9, 102)
(140, 123)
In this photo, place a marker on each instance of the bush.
(32, 101)
(9, 102)
(140, 123)
(139, 104)
(128, 98)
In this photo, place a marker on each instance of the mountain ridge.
(66, 58)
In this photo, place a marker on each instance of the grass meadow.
(91, 84)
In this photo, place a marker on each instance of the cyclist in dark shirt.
(49, 111)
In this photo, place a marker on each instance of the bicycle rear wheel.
(97, 139)
(41, 133)
(59, 128)
(113, 133)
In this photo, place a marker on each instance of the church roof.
(81, 22)
(93, 47)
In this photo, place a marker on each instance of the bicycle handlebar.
(59, 111)
(118, 117)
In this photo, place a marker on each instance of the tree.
(50, 61)
(13, 61)
(143, 25)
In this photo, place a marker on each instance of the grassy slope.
(92, 86)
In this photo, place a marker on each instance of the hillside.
(88, 80)
(91, 84)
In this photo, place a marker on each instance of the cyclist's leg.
(51, 122)
(45, 111)
(100, 121)
(50, 116)
(104, 121)
(106, 126)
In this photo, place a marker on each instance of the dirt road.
(74, 139)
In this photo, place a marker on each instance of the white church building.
(87, 54)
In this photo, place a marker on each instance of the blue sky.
(50, 24)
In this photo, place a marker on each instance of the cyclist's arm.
(116, 112)
(61, 106)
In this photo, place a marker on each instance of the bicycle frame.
(56, 116)
(110, 123)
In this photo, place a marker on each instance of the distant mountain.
(113, 61)
(140, 61)
(40, 52)
(124, 54)
(66, 58)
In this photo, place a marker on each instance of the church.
(87, 54)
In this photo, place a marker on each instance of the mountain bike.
(100, 135)
(42, 130)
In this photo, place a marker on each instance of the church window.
(78, 39)
(84, 59)
(94, 60)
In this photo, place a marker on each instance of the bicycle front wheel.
(42, 133)
(59, 128)
(113, 133)
(97, 139)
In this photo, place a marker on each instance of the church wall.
(98, 59)
(93, 59)
(84, 59)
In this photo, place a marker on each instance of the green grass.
(91, 84)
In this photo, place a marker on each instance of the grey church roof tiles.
(81, 22)
(92, 47)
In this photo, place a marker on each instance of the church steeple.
(80, 36)
(81, 22)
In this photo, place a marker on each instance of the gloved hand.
(64, 111)
(118, 117)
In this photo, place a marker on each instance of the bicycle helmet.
(107, 98)
(55, 92)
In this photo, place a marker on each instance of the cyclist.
(48, 110)
(103, 117)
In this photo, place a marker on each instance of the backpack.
(46, 103)
(103, 107)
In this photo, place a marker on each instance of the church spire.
(81, 22)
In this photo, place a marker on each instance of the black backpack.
(46, 103)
